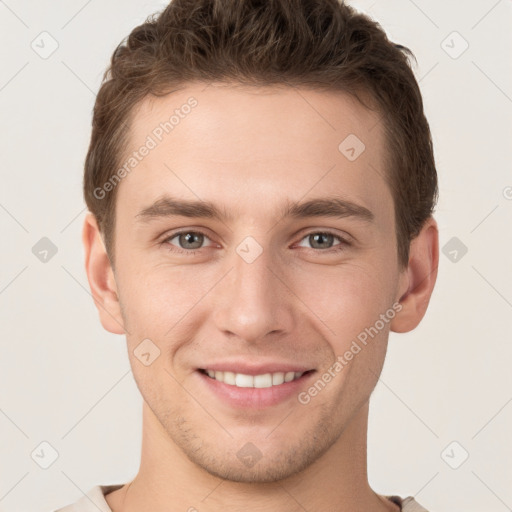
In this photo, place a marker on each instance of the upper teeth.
(253, 381)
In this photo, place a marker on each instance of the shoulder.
(409, 504)
(92, 501)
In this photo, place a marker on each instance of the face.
(248, 283)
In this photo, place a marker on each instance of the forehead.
(245, 146)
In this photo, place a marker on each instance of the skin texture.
(249, 150)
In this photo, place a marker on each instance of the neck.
(168, 481)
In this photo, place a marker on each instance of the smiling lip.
(255, 368)
(254, 397)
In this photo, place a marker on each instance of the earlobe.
(101, 277)
(418, 279)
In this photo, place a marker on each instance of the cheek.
(161, 305)
(166, 302)
(345, 300)
(163, 293)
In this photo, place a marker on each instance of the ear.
(101, 277)
(418, 279)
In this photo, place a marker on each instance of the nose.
(254, 301)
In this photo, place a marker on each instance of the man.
(260, 184)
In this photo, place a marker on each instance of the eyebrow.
(320, 207)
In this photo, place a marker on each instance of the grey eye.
(190, 240)
(318, 240)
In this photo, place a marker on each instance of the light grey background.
(66, 381)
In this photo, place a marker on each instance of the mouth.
(264, 380)
(251, 384)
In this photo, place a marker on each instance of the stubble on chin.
(218, 454)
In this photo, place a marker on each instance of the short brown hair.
(310, 43)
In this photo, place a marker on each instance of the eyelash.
(191, 252)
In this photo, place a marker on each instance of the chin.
(259, 474)
(250, 465)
